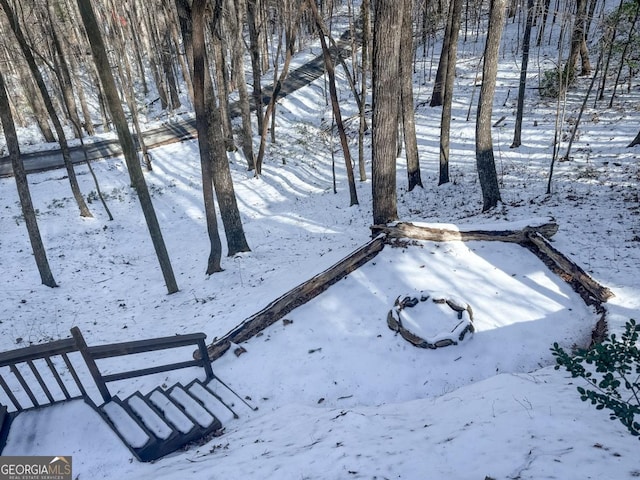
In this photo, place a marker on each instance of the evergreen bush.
(612, 371)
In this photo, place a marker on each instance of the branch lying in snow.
(440, 234)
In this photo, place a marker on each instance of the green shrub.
(553, 82)
(615, 380)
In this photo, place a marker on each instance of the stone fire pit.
(431, 320)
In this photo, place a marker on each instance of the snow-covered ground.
(339, 394)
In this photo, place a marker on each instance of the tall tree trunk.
(406, 97)
(166, 58)
(366, 35)
(28, 212)
(336, 105)
(202, 104)
(439, 84)
(291, 39)
(526, 42)
(126, 81)
(543, 22)
(215, 166)
(126, 140)
(623, 56)
(37, 106)
(574, 129)
(450, 62)
(222, 82)
(62, 139)
(385, 68)
(484, 145)
(133, 17)
(237, 47)
(253, 13)
(609, 42)
(64, 79)
(577, 41)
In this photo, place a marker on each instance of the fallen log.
(570, 270)
(439, 234)
(294, 298)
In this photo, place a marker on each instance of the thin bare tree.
(53, 115)
(28, 211)
(101, 60)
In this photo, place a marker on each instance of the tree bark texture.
(450, 74)
(522, 86)
(406, 95)
(201, 105)
(484, 144)
(385, 68)
(237, 47)
(439, 83)
(577, 41)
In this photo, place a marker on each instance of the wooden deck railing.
(36, 373)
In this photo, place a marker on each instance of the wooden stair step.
(171, 411)
(150, 417)
(221, 390)
(211, 401)
(128, 428)
(190, 405)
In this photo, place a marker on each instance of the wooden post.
(206, 360)
(91, 364)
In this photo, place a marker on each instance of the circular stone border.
(444, 339)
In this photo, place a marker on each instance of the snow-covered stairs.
(165, 420)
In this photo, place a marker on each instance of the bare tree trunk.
(366, 35)
(213, 156)
(450, 62)
(62, 139)
(222, 83)
(236, 14)
(543, 22)
(577, 41)
(484, 145)
(526, 43)
(126, 140)
(37, 106)
(386, 50)
(202, 104)
(152, 39)
(610, 39)
(438, 86)
(567, 155)
(126, 81)
(406, 97)
(336, 106)
(28, 212)
(291, 38)
(63, 76)
(166, 58)
(623, 56)
(253, 13)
